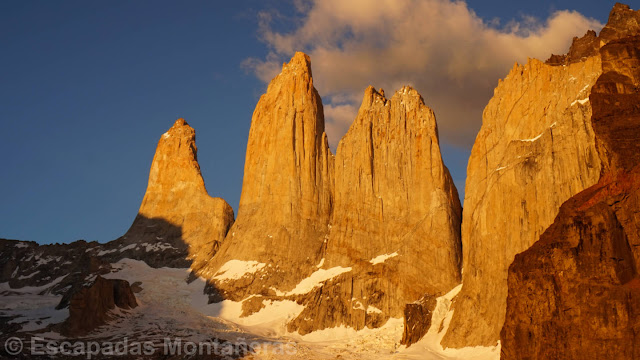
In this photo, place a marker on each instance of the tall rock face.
(575, 294)
(395, 226)
(286, 196)
(535, 150)
(176, 210)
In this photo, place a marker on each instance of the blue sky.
(87, 88)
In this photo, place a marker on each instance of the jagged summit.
(396, 217)
(299, 62)
(406, 93)
(623, 22)
(536, 148)
(376, 232)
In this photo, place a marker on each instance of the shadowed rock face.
(286, 192)
(89, 307)
(575, 294)
(395, 219)
(616, 103)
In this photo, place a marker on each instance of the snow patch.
(156, 247)
(585, 88)
(269, 321)
(128, 247)
(32, 307)
(105, 252)
(373, 310)
(390, 333)
(539, 136)
(581, 102)
(317, 279)
(236, 269)
(28, 276)
(382, 258)
(532, 139)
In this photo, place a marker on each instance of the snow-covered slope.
(170, 306)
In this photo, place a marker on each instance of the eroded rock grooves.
(575, 294)
(286, 192)
(396, 218)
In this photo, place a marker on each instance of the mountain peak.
(286, 196)
(179, 123)
(299, 62)
(623, 21)
(176, 201)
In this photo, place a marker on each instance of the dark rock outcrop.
(616, 104)
(581, 49)
(89, 307)
(417, 320)
(622, 22)
(575, 294)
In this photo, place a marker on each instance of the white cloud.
(341, 118)
(441, 47)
